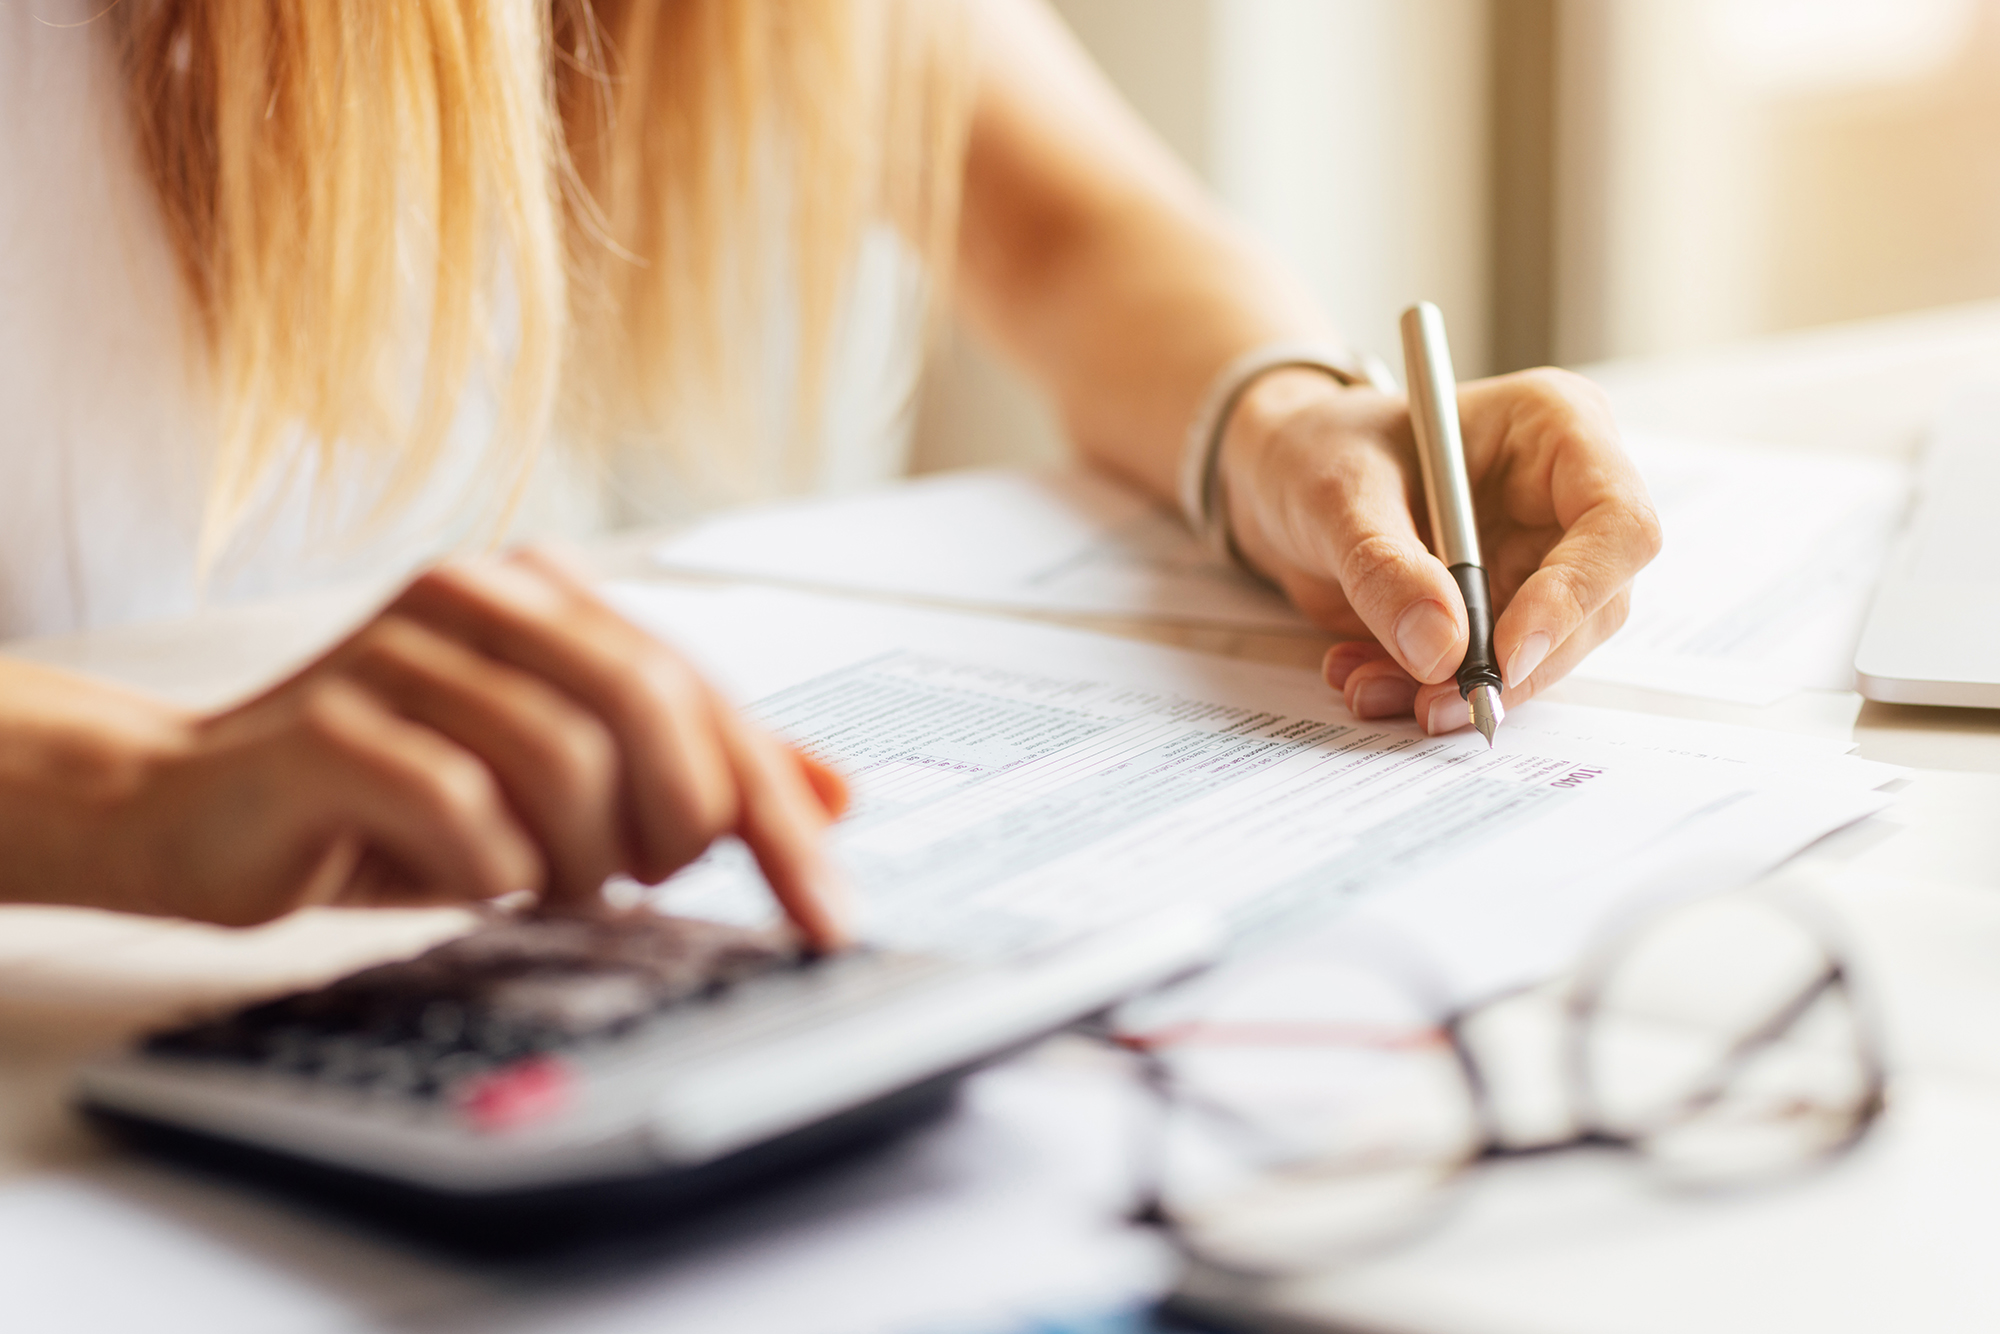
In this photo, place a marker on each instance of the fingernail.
(1528, 655)
(1380, 697)
(1424, 634)
(1448, 714)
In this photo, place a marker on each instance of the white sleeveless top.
(106, 425)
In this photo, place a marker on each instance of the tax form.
(1016, 783)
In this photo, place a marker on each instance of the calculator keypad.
(502, 997)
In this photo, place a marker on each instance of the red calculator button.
(516, 1095)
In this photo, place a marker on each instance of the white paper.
(1015, 783)
(1763, 584)
(1056, 540)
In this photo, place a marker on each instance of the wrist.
(1202, 485)
(134, 827)
(1274, 457)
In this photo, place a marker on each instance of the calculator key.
(517, 1095)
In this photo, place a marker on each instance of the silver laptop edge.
(1933, 633)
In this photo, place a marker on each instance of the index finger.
(1566, 467)
(541, 617)
(782, 821)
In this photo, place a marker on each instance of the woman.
(373, 257)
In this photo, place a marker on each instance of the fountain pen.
(1454, 531)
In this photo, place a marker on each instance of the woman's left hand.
(1325, 498)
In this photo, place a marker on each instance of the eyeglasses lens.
(1315, 1112)
(1724, 1041)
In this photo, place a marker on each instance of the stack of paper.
(1018, 782)
(1761, 590)
(1763, 584)
(1058, 540)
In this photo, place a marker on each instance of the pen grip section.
(1478, 668)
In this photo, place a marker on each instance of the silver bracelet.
(1204, 501)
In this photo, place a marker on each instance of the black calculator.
(542, 1080)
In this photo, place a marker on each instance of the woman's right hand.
(495, 729)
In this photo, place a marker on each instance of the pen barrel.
(1440, 448)
(1478, 669)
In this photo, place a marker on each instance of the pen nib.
(1486, 711)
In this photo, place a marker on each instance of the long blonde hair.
(609, 188)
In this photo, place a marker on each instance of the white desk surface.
(1005, 1214)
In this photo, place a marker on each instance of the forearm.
(1094, 260)
(70, 750)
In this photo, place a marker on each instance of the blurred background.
(1572, 180)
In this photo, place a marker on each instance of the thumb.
(1402, 593)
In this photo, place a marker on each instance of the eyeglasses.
(1317, 1112)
